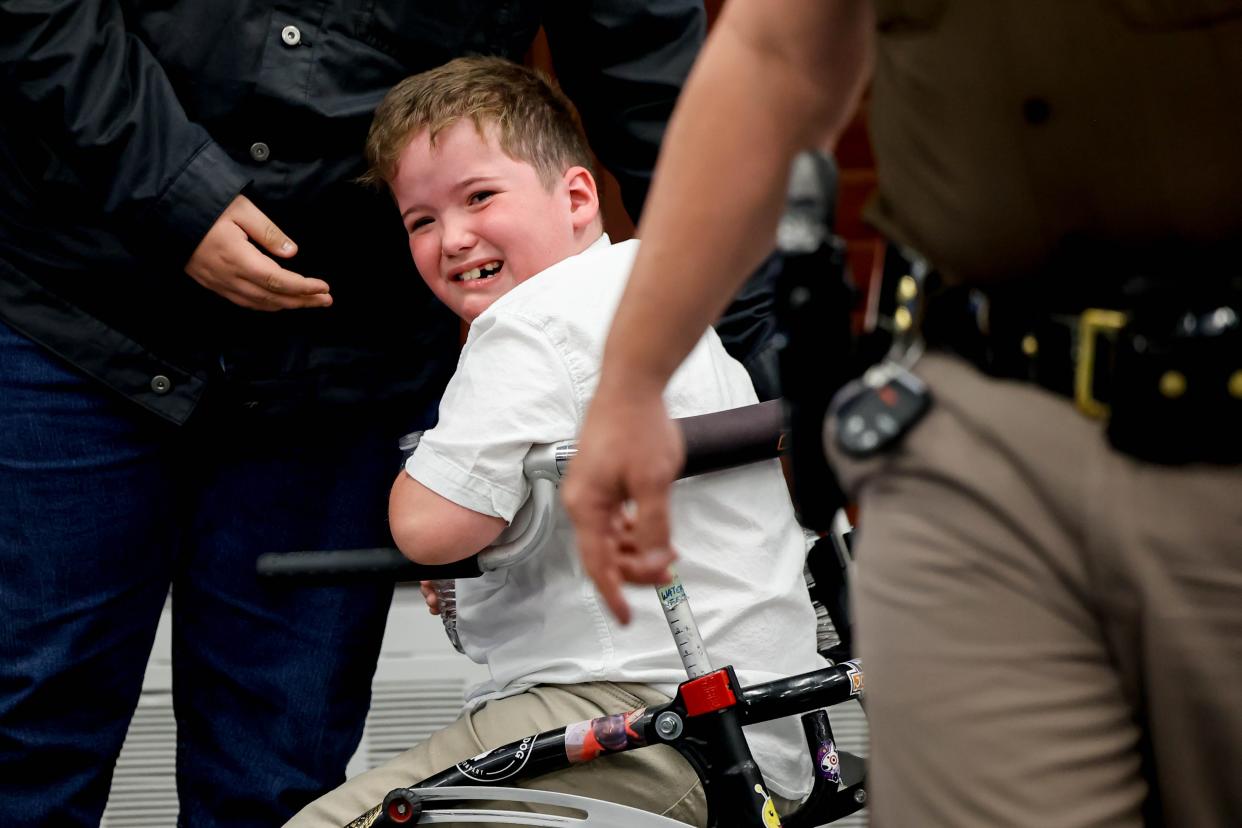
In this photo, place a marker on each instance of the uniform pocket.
(1158, 15)
(908, 15)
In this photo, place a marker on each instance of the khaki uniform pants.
(652, 778)
(1038, 613)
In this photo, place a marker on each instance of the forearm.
(772, 80)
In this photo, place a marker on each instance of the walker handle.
(716, 441)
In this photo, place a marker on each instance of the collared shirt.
(129, 126)
(527, 373)
(1011, 137)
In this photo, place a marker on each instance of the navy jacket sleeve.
(106, 110)
(623, 63)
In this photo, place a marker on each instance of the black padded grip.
(339, 566)
(724, 439)
(715, 441)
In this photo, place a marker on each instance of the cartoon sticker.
(853, 669)
(771, 819)
(607, 734)
(829, 762)
(471, 769)
(368, 819)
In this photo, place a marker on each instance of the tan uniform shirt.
(1007, 131)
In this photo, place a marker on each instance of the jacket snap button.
(161, 384)
(291, 35)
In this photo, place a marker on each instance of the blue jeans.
(102, 509)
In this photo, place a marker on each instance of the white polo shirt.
(525, 376)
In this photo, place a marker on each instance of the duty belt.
(1163, 365)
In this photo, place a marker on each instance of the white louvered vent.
(404, 713)
(144, 793)
(144, 790)
(419, 686)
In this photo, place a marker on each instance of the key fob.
(886, 406)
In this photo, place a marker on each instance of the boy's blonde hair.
(534, 120)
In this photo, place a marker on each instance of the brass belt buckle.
(1091, 324)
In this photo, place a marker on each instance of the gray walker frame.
(445, 796)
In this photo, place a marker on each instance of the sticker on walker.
(672, 593)
(607, 734)
(479, 771)
(829, 762)
(368, 819)
(771, 819)
(853, 669)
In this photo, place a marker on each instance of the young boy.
(493, 180)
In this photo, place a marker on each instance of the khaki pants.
(653, 778)
(1046, 624)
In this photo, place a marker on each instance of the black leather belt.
(1066, 352)
(1162, 364)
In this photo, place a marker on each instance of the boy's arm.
(430, 529)
(465, 481)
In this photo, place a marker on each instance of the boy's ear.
(583, 196)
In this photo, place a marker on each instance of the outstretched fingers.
(594, 511)
(273, 287)
(617, 489)
(648, 514)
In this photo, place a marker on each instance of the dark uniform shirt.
(128, 127)
(1012, 135)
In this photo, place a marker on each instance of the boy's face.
(481, 222)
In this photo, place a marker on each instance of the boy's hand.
(429, 595)
(227, 262)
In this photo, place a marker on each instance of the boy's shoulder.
(573, 287)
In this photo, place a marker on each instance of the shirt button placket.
(291, 37)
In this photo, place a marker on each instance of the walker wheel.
(402, 806)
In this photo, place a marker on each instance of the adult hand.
(227, 262)
(617, 489)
